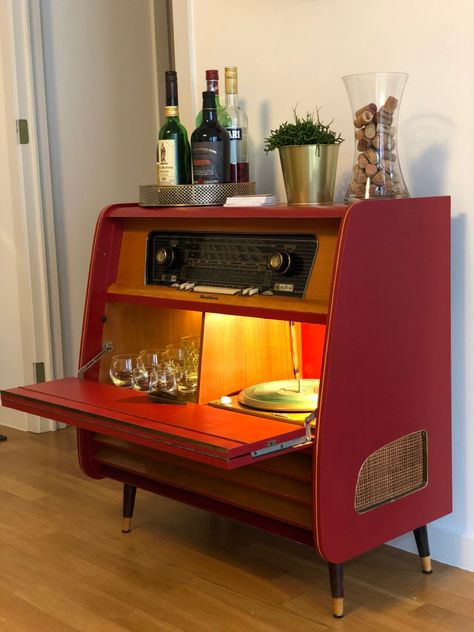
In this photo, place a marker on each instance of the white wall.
(101, 100)
(296, 52)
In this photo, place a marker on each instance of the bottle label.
(208, 162)
(167, 165)
(235, 133)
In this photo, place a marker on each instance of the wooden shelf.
(303, 310)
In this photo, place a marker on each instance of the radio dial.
(280, 261)
(165, 256)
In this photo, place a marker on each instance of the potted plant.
(308, 151)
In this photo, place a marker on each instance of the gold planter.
(309, 172)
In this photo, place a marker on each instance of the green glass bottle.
(173, 155)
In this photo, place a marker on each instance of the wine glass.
(121, 369)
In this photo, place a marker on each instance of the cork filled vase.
(375, 102)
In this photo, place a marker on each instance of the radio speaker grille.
(393, 471)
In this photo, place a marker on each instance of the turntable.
(292, 399)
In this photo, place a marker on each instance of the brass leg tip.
(126, 525)
(426, 565)
(338, 607)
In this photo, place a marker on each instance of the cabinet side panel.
(386, 375)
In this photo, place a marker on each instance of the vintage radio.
(322, 402)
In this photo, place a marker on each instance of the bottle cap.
(231, 79)
(171, 110)
(171, 83)
(212, 74)
(208, 100)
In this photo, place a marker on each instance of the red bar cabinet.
(365, 287)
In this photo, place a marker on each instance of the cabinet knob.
(165, 256)
(280, 261)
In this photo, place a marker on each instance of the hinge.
(106, 348)
(40, 375)
(22, 131)
(273, 446)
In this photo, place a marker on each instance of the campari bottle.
(212, 85)
(210, 146)
(238, 130)
(173, 156)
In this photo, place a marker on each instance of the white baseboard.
(28, 423)
(13, 419)
(447, 545)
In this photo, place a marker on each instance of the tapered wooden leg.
(336, 577)
(422, 544)
(129, 492)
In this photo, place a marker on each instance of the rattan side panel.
(393, 471)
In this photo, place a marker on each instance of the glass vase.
(375, 102)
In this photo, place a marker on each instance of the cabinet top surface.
(278, 211)
(134, 210)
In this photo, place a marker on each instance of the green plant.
(304, 131)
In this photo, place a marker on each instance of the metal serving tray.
(193, 194)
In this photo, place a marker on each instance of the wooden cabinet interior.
(133, 327)
(236, 351)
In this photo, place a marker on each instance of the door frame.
(28, 203)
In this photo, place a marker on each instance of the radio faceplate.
(231, 263)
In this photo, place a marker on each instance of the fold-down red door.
(200, 433)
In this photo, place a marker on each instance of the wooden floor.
(65, 565)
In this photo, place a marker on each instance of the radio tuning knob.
(280, 261)
(164, 256)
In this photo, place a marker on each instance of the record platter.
(292, 399)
